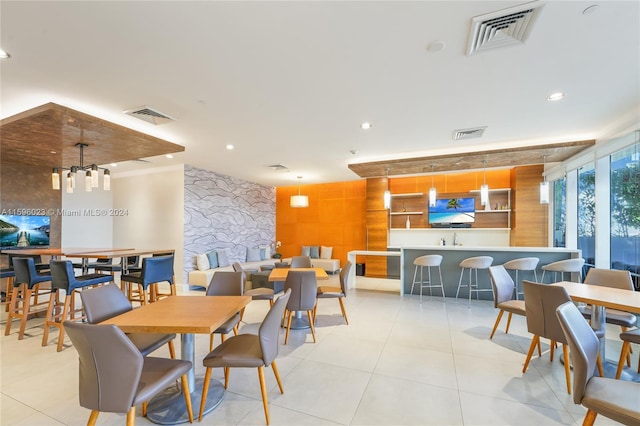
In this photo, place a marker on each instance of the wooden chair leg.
(286, 336)
(534, 342)
(65, 315)
(205, 391)
(49, 317)
(589, 418)
(599, 364)
(277, 374)
(313, 331)
(506, 331)
(552, 346)
(344, 311)
(172, 349)
(567, 367)
(187, 396)
(210, 342)
(131, 416)
(144, 408)
(263, 391)
(93, 417)
(624, 351)
(13, 307)
(226, 377)
(495, 325)
(26, 303)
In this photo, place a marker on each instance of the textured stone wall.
(225, 212)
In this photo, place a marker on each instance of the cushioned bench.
(203, 278)
(329, 265)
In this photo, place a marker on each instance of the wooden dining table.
(298, 322)
(186, 315)
(600, 298)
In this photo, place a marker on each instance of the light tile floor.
(399, 362)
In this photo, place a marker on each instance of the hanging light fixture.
(544, 185)
(432, 190)
(91, 174)
(484, 189)
(299, 201)
(387, 194)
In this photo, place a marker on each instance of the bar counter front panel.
(453, 255)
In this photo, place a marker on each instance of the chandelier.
(90, 173)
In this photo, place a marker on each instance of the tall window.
(587, 213)
(559, 212)
(625, 210)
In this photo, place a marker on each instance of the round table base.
(168, 407)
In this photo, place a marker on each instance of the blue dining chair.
(59, 311)
(27, 284)
(154, 270)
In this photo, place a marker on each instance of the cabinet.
(409, 206)
(497, 212)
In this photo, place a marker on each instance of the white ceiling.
(290, 82)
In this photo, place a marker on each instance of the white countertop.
(505, 249)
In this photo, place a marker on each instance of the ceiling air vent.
(463, 134)
(278, 167)
(502, 28)
(149, 115)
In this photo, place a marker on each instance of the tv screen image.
(24, 231)
(453, 210)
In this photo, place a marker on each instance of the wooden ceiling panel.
(472, 160)
(31, 136)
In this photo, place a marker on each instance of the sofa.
(209, 263)
(320, 258)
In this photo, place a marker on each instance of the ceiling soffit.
(47, 136)
(498, 158)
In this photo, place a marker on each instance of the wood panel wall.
(529, 218)
(377, 226)
(336, 217)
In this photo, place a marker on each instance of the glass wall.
(625, 210)
(587, 213)
(559, 212)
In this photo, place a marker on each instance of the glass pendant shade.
(432, 197)
(69, 183)
(387, 199)
(107, 180)
(94, 176)
(484, 194)
(544, 192)
(298, 201)
(55, 179)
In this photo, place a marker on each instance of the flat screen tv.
(453, 210)
(24, 231)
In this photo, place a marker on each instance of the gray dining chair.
(612, 278)
(503, 287)
(301, 262)
(115, 377)
(107, 301)
(249, 351)
(304, 290)
(332, 292)
(226, 283)
(618, 400)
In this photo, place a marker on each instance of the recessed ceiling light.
(436, 46)
(590, 9)
(52, 152)
(169, 156)
(114, 164)
(230, 147)
(555, 96)
(4, 55)
(365, 126)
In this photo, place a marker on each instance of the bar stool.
(627, 337)
(428, 261)
(27, 284)
(562, 266)
(154, 270)
(63, 278)
(522, 264)
(473, 264)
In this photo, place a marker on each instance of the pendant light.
(484, 189)
(91, 173)
(544, 185)
(387, 194)
(432, 190)
(299, 201)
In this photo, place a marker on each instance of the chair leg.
(535, 341)
(172, 349)
(552, 346)
(589, 418)
(313, 331)
(506, 331)
(65, 314)
(226, 377)
(263, 391)
(623, 354)
(93, 417)
(567, 367)
(210, 342)
(144, 408)
(187, 396)
(344, 311)
(286, 336)
(49, 318)
(131, 416)
(277, 374)
(205, 390)
(25, 312)
(495, 326)
(599, 364)
(13, 307)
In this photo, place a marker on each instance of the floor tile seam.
(404, 379)
(455, 367)
(462, 391)
(341, 366)
(392, 344)
(324, 419)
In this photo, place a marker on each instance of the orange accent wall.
(336, 217)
